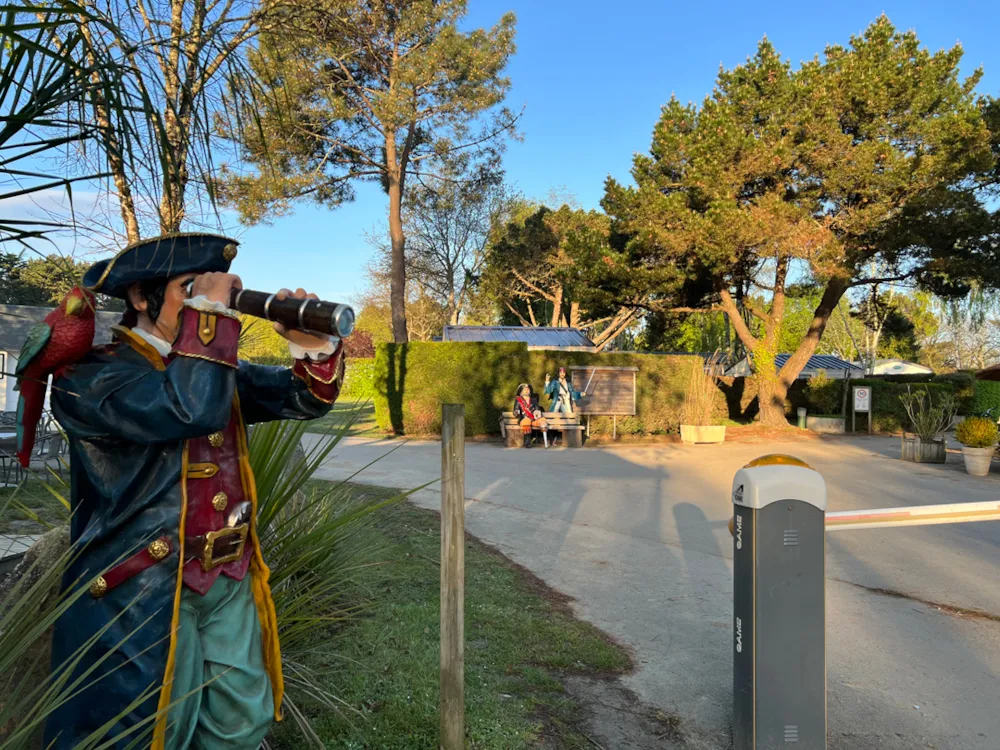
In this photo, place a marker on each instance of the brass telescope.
(302, 314)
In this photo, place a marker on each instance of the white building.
(898, 367)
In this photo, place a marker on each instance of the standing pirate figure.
(562, 394)
(164, 505)
(529, 416)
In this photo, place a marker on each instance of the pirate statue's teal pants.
(220, 670)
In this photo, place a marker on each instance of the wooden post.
(453, 577)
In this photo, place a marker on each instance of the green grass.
(30, 508)
(363, 426)
(520, 640)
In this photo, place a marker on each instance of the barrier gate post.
(779, 613)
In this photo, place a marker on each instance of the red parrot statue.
(64, 337)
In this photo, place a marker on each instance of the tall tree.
(447, 221)
(43, 281)
(427, 314)
(556, 268)
(50, 66)
(875, 154)
(182, 56)
(356, 90)
(844, 333)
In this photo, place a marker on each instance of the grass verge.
(521, 639)
(364, 425)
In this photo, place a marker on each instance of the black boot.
(527, 440)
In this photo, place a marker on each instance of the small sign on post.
(863, 404)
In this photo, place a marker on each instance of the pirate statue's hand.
(310, 342)
(547, 378)
(215, 286)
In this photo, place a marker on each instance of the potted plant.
(978, 436)
(699, 403)
(928, 421)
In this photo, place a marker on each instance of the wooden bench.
(568, 424)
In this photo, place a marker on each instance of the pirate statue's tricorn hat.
(160, 258)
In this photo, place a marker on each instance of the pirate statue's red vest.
(163, 498)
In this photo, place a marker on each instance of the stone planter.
(826, 425)
(923, 452)
(977, 460)
(703, 433)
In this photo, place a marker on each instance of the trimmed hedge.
(986, 395)
(887, 410)
(412, 381)
(359, 379)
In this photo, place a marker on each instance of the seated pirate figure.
(562, 394)
(529, 416)
(164, 505)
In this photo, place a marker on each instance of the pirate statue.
(163, 500)
(529, 416)
(561, 392)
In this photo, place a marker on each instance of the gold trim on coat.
(260, 574)
(162, 708)
(206, 358)
(137, 342)
(201, 470)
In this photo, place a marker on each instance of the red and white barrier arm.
(914, 515)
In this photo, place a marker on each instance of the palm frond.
(315, 542)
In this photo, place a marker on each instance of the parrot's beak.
(74, 305)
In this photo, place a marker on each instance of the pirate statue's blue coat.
(177, 626)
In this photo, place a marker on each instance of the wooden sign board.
(610, 390)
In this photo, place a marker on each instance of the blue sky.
(592, 77)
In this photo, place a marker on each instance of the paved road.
(638, 537)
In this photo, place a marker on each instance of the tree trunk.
(557, 307)
(175, 179)
(113, 150)
(772, 387)
(397, 274)
(771, 394)
(574, 315)
(622, 320)
(453, 309)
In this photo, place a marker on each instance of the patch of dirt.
(756, 433)
(612, 717)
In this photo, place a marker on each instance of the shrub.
(928, 419)
(888, 412)
(964, 385)
(412, 381)
(824, 395)
(977, 432)
(986, 396)
(359, 345)
(699, 399)
(261, 344)
(359, 380)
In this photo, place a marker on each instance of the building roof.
(546, 336)
(818, 362)
(17, 320)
